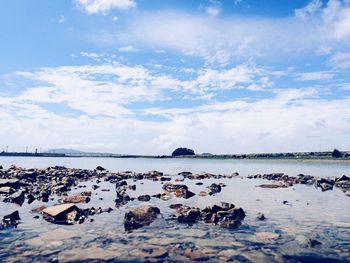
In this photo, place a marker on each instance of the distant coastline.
(326, 156)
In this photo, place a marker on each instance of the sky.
(146, 77)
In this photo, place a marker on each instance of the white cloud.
(340, 60)
(220, 40)
(317, 75)
(128, 49)
(310, 9)
(104, 6)
(213, 10)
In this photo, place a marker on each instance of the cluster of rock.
(224, 214)
(284, 180)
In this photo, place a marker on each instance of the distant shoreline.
(319, 156)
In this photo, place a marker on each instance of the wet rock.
(17, 198)
(144, 198)
(165, 197)
(190, 217)
(184, 193)
(314, 242)
(94, 187)
(30, 198)
(202, 193)
(214, 188)
(175, 206)
(199, 183)
(139, 217)
(132, 187)
(6, 190)
(164, 179)
(173, 187)
(230, 223)
(261, 216)
(67, 214)
(122, 199)
(100, 168)
(13, 183)
(10, 220)
(75, 199)
(195, 254)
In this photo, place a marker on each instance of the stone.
(6, 190)
(202, 193)
(10, 220)
(173, 187)
(17, 198)
(100, 168)
(144, 198)
(75, 199)
(195, 255)
(13, 183)
(62, 214)
(184, 193)
(214, 188)
(190, 217)
(261, 216)
(140, 217)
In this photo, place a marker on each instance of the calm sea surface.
(173, 166)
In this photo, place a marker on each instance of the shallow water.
(310, 213)
(173, 166)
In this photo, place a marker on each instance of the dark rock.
(190, 217)
(17, 198)
(184, 193)
(175, 206)
(30, 198)
(144, 198)
(173, 187)
(100, 168)
(94, 187)
(214, 188)
(261, 216)
(314, 242)
(10, 220)
(13, 183)
(199, 183)
(139, 217)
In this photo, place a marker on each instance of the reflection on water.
(173, 166)
(309, 213)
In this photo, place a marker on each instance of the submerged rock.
(139, 217)
(144, 198)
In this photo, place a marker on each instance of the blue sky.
(145, 77)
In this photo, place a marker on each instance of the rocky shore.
(25, 186)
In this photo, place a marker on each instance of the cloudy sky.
(145, 77)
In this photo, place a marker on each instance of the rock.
(144, 198)
(314, 242)
(100, 168)
(173, 187)
(10, 220)
(139, 217)
(261, 216)
(195, 255)
(184, 193)
(30, 198)
(271, 186)
(190, 217)
(75, 199)
(203, 193)
(94, 187)
(62, 214)
(175, 206)
(226, 206)
(6, 190)
(230, 223)
(17, 198)
(199, 183)
(214, 188)
(13, 183)
(163, 179)
(165, 197)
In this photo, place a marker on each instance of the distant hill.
(63, 150)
